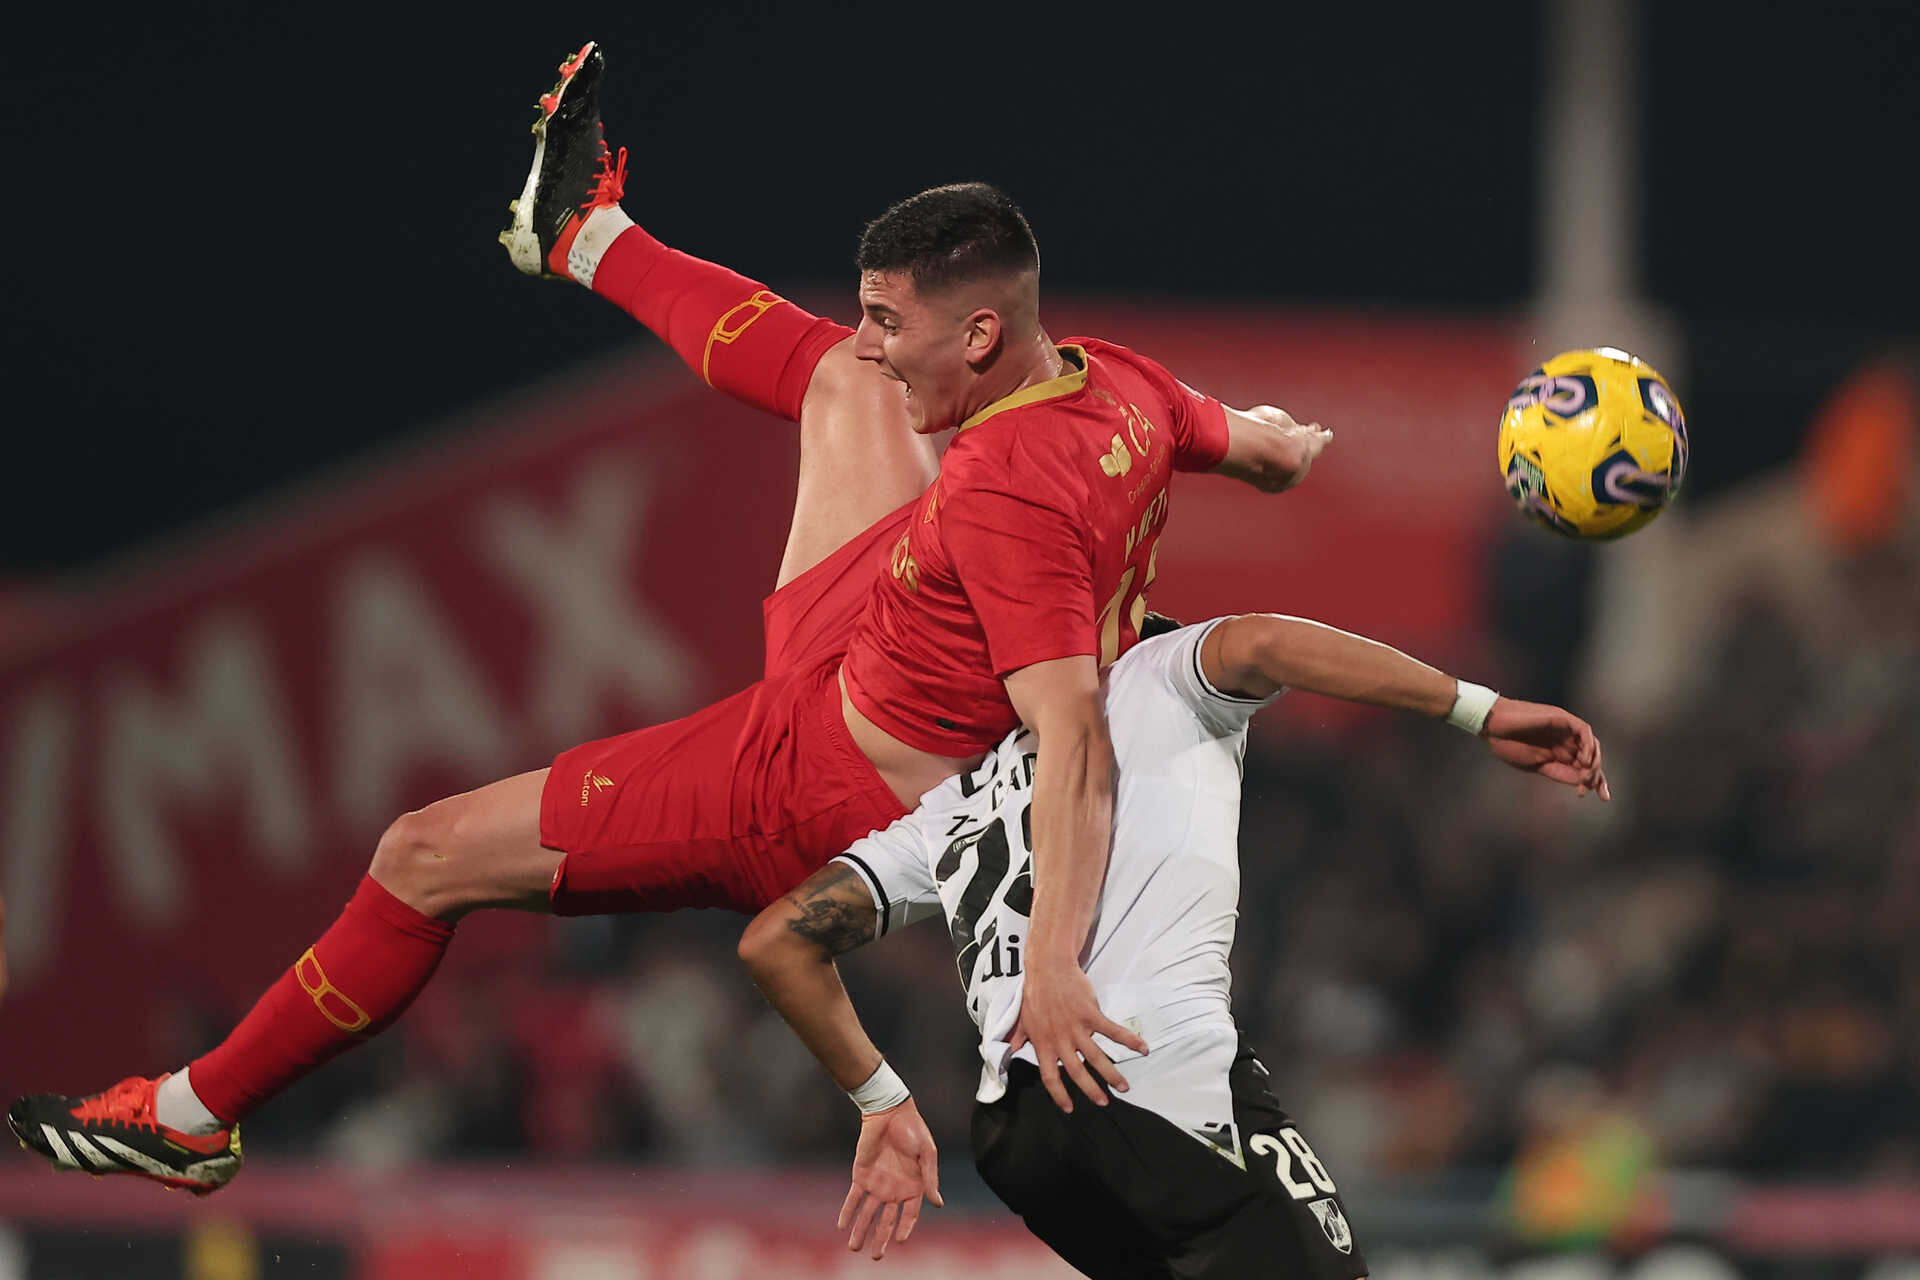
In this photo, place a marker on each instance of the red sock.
(736, 334)
(362, 974)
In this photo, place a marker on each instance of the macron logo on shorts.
(591, 783)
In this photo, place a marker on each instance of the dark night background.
(243, 241)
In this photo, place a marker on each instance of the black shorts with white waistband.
(1124, 1194)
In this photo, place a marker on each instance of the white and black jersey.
(1122, 1191)
(1158, 954)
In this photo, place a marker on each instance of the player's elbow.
(1073, 730)
(1269, 658)
(1061, 701)
(767, 941)
(1257, 654)
(1076, 760)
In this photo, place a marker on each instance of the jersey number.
(993, 858)
(1136, 610)
(1288, 1147)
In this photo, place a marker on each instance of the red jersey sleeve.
(1027, 573)
(1199, 424)
(1199, 421)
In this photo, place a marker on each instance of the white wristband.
(883, 1091)
(1472, 703)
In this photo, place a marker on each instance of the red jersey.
(1036, 541)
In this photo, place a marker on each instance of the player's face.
(918, 343)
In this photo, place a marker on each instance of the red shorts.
(736, 804)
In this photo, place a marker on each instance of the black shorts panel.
(1123, 1194)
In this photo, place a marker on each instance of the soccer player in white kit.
(1197, 1172)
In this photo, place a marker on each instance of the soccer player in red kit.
(912, 627)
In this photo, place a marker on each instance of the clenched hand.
(1556, 744)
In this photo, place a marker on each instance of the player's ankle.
(177, 1106)
(596, 234)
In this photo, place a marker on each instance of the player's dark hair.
(1157, 624)
(951, 235)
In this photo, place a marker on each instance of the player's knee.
(411, 860)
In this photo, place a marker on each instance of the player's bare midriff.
(908, 771)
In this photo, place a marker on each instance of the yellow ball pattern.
(1593, 444)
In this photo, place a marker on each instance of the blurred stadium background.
(316, 511)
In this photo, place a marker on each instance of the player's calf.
(475, 850)
(739, 336)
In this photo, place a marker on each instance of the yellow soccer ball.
(1593, 444)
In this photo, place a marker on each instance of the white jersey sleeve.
(894, 865)
(1170, 664)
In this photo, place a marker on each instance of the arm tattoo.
(835, 912)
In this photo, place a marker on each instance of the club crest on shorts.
(1334, 1223)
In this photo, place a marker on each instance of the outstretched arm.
(789, 949)
(1258, 654)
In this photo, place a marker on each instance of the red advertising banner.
(199, 751)
(526, 1224)
(197, 761)
(664, 1223)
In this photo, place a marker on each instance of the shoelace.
(611, 183)
(121, 1105)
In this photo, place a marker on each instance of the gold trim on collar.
(1052, 389)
